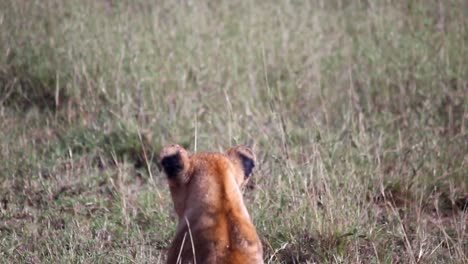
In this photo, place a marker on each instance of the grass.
(357, 112)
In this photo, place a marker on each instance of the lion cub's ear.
(244, 157)
(175, 162)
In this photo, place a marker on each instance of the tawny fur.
(214, 225)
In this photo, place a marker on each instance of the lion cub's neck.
(219, 207)
(220, 217)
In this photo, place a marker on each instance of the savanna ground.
(357, 110)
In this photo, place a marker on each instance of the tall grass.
(357, 111)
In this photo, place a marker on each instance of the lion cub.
(214, 225)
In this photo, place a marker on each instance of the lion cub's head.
(236, 164)
(205, 189)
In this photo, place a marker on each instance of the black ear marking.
(247, 165)
(172, 165)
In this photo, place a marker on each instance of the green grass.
(358, 113)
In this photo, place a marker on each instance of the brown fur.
(214, 225)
